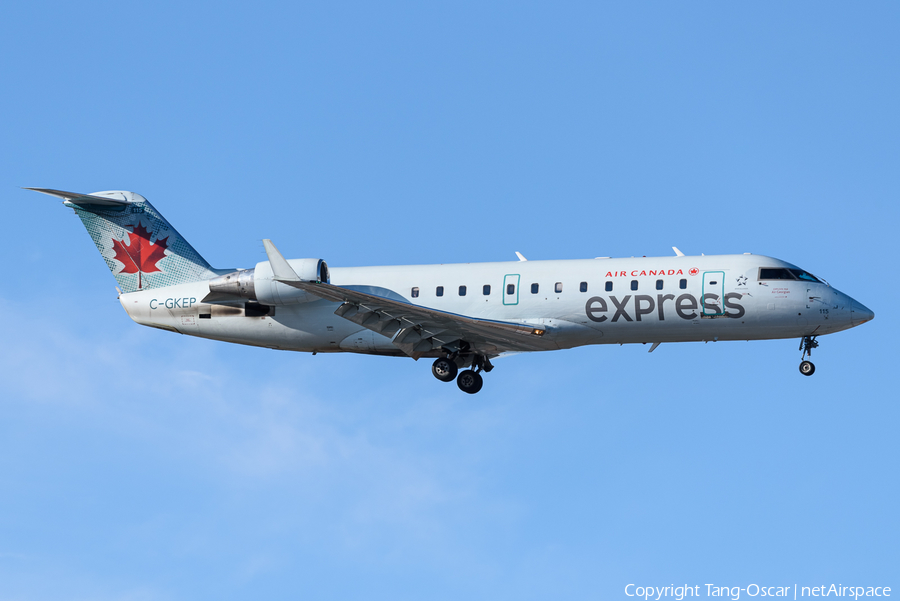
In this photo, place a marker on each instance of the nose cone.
(859, 313)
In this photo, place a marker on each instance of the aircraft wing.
(415, 329)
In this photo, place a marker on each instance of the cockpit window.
(778, 273)
(804, 276)
(773, 273)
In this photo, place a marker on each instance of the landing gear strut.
(807, 344)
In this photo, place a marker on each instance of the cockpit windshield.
(805, 276)
(781, 273)
(775, 273)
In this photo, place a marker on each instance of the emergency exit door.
(511, 289)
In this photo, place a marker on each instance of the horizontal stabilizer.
(83, 199)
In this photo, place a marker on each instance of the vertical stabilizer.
(141, 248)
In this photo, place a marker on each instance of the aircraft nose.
(859, 313)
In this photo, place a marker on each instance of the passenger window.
(534, 288)
(634, 284)
(558, 287)
(462, 290)
(510, 288)
(439, 291)
(659, 284)
(766, 273)
(415, 293)
(486, 290)
(583, 287)
(682, 284)
(609, 286)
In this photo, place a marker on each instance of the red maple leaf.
(140, 255)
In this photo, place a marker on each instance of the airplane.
(461, 315)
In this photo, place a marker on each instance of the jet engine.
(258, 284)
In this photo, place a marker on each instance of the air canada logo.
(139, 255)
(694, 271)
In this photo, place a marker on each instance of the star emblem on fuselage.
(742, 281)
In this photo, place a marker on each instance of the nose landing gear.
(807, 344)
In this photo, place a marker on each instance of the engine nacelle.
(270, 292)
(258, 283)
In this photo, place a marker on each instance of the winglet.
(281, 269)
(678, 253)
(521, 258)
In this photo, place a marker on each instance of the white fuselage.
(699, 299)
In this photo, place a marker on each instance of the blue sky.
(137, 464)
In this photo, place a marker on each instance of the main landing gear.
(444, 369)
(470, 381)
(807, 344)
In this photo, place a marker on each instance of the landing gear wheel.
(469, 381)
(444, 369)
(807, 368)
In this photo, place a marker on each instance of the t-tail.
(141, 248)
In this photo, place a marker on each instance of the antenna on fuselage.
(678, 253)
(521, 258)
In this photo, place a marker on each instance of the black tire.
(444, 369)
(807, 368)
(469, 381)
